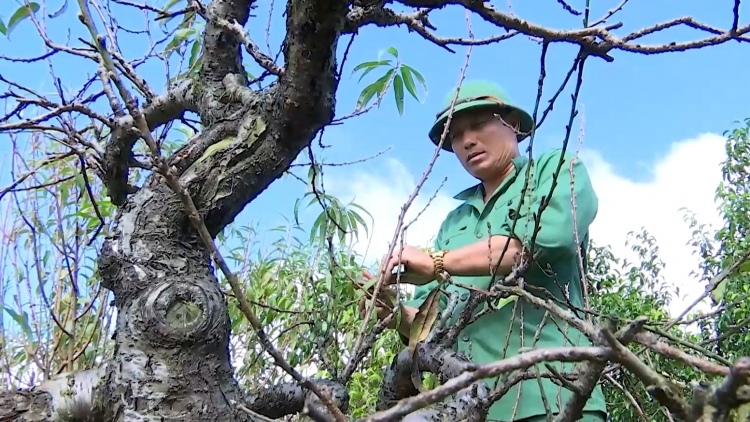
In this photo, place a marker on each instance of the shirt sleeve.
(556, 236)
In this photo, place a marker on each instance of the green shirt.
(557, 265)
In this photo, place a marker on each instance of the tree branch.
(596, 40)
(290, 398)
(119, 150)
(446, 364)
(277, 124)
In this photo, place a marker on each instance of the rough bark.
(171, 361)
(467, 404)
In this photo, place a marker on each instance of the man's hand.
(384, 306)
(420, 269)
(384, 303)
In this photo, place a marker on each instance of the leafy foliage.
(305, 285)
(400, 75)
(22, 13)
(303, 288)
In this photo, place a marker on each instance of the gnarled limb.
(287, 399)
(118, 151)
(446, 364)
(71, 396)
(275, 124)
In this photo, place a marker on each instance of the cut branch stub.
(180, 312)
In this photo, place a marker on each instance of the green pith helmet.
(476, 94)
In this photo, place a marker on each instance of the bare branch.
(596, 40)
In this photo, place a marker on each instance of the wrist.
(438, 263)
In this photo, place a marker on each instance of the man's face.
(484, 141)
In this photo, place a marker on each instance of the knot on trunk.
(178, 313)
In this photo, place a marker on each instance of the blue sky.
(638, 109)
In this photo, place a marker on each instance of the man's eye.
(477, 125)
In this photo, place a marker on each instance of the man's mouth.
(473, 155)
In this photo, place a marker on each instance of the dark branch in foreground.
(289, 399)
(597, 40)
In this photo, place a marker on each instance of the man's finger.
(388, 271)
(362, 306)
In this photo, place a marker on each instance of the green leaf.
(366, 95)
(194, 53)
(3, 28)
(416, 74)
(169, 4)
(319, 227)
(19, 15)
(379, 86)
(743, 412)
(382, 84)
(296, 210)
(398, 92)
(22, 320)
(365, 73)
(371, 65)
(361, 221)
(502, 302)
(182, 34)
(718, 293)
(409, 81)
(745, 267)
(393, 51)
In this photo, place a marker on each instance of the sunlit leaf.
(411, 70)
(22, 320)
(170, 4)
(19, 15)
(409, 81)
(502, 302)
(371, 65)
(366, 96)
(398, 92)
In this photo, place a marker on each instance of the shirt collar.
(474, 192)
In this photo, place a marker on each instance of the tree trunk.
(171, 360)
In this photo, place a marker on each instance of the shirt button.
(465, 338)
(479, 235)
(464, 297)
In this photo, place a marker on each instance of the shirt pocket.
(506, 210)
(459, 237)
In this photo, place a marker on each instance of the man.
(484, 134)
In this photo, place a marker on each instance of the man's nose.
(468, 140)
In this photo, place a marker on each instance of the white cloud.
(686, 177)
(383, 195)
